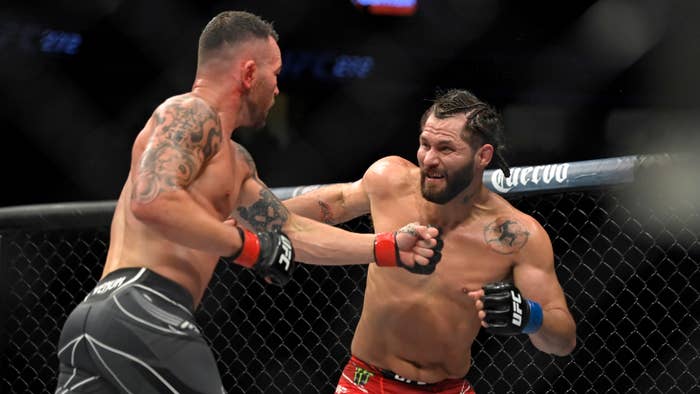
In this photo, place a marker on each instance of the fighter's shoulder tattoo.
(187, 132)
(266, 214)
(506, 235)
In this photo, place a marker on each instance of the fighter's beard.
(455, 184)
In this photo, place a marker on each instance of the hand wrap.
(270, 254)
(507, 312)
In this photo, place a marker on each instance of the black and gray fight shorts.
(135, 333)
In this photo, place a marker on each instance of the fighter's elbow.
(560, 344)
(566, 348)
(565, 341)
(146, 212)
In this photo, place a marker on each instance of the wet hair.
(483, 125)
(230, 28)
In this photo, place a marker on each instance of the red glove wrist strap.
(385, 250)
(250, 249)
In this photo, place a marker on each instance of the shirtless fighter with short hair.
(135, 331)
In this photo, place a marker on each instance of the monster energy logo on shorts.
(361, 376)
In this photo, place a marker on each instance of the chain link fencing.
(628, 260)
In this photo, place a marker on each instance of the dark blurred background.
(574, 80)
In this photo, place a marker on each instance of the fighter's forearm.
(317, 243)
(557, 334)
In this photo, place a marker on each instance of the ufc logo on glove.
(517, 311)
(269, 253)
(286, 256)
(508, 312)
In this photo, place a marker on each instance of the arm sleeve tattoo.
(266, 214)
(186, 134)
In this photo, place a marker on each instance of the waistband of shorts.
(130, 276)
(394, 376)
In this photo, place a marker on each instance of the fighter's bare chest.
(469, 260)
(219, 185)
(467, 264)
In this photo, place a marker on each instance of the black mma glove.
(507, 312)
(386, 254)
(270, 254)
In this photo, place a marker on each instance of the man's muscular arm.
(534, 302)
(340, 202)
(186, 135)
(332, 204)
(536, 278)
(319, 243)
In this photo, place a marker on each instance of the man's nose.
(430, 158)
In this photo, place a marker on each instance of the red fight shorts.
(360, 377)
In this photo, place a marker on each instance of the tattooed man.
(135, 332)
(497, 269)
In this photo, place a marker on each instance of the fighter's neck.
(226, 104)
(469, 203)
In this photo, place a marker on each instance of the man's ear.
(248, 73)
(484, 155)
